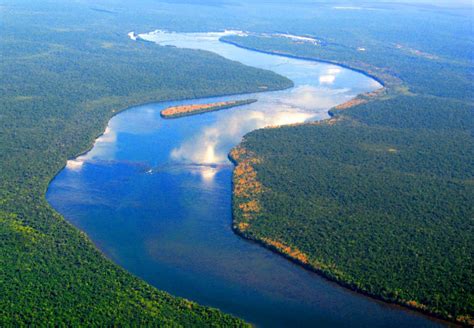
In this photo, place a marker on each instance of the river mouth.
(155, 196)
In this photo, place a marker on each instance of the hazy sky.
(425, 2)
(431, 2)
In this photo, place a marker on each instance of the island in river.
(186, 110)
(161, 194)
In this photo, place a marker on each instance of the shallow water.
(155, 196)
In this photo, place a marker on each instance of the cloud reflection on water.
(108, 137)
(318, 87)
(212, 144)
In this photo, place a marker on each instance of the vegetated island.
(187, 110)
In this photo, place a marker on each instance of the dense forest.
(382, 204)
(66, 71)
(380, 196)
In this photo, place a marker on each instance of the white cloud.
(211, 145)
(108, 136)
(327, 79)
(298, 38)
(132, 36)
(75, 164)
(334, 70)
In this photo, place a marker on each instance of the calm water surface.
(155, 196)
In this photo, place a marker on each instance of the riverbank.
(62, 118)
(234, 260)
(345, 118)
(249, 191)
(384, 80)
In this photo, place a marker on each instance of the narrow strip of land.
(186, 110)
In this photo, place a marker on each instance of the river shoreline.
(236, 231)
(373, 95)
(327, 274)
(324, 61)
(118, 111)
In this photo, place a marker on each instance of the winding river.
(155, 196)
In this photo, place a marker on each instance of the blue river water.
(154, 195)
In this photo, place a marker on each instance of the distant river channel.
(154, 195)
